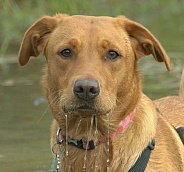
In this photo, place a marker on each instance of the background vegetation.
(163, 18)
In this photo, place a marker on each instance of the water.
(66, 124)
(24, 125)
(24, 137)
(87, 144)
(108, 139)
(157, 81)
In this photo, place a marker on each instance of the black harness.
(142, 161)
(180, 132)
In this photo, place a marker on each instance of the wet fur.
(121, 91)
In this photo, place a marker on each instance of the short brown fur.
(90, 39)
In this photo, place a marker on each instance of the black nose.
(86, 88)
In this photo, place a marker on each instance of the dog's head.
(91, 61)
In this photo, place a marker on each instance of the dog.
(102, 119)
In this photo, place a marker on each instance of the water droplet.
(84, 168)
(89, 134)
(66, 123)
(108, 162)
(66, 152)
(108, 139)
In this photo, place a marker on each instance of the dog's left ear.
(35, 38)
(144, 43)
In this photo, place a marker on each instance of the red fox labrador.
(102, 119)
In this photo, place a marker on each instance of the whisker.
(55, 101)
(121, 103)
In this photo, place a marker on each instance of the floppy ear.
(144, 43)
(35, 39)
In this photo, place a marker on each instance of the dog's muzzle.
(86, 89)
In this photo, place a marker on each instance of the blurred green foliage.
(163, 18)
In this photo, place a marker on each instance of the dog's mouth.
(79, 108)
(85, 107)
(85, 110)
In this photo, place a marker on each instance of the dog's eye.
(112, 55)
(66, 53)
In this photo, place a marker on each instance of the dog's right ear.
(144, 43)
(35, 38)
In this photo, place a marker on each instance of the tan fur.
(90, 38)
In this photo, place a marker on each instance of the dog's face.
(88, 62)
(91, 61)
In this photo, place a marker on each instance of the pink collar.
(81, 144)
(122, 125)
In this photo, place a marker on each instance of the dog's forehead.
(85, 23)
(89, 26)
(82, 19)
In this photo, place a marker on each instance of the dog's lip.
(79, 108)
(85, 107)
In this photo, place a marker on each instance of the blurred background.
(24, 115)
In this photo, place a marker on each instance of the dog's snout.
(86, 89)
